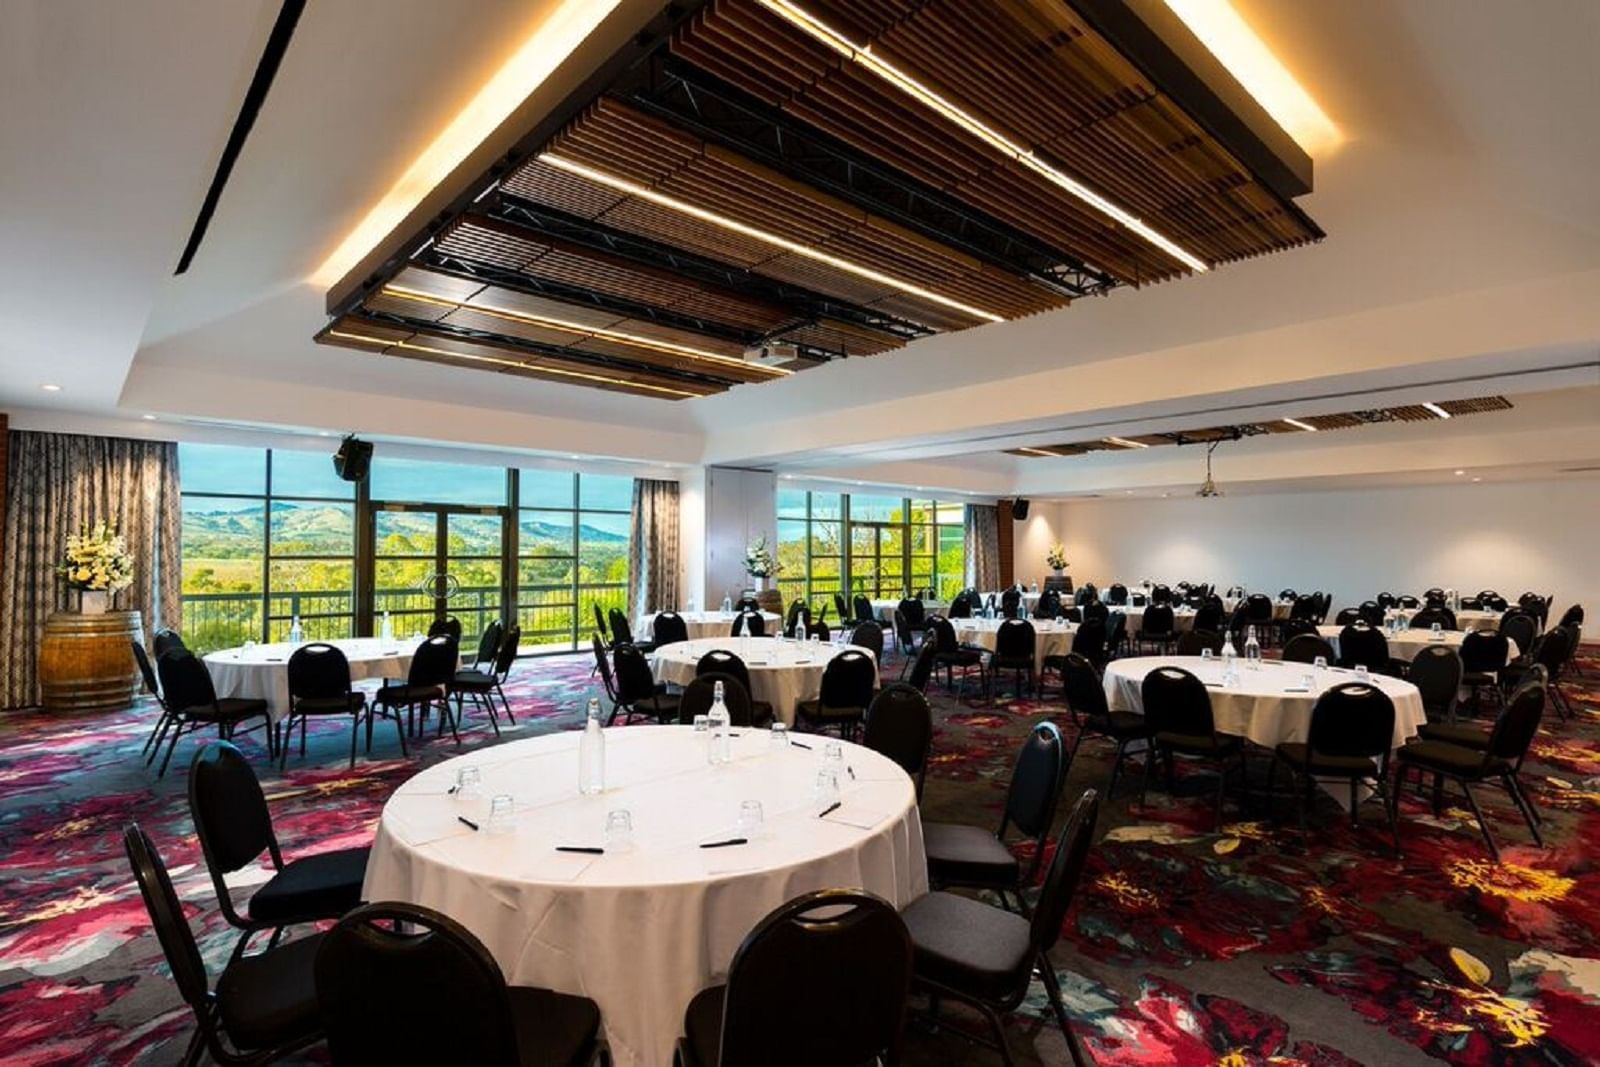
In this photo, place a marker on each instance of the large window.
(878, 545)
(572, 554)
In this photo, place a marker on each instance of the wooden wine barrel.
(770, 600)
(86, 661)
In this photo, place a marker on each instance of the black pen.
(452, 790)
(724, 844)
(801, 744)
(587, 850)
(851, 770)
(830, 809)
(464, 821)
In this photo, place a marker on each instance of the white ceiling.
(1463, 256)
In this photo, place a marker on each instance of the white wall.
(1510, 537)
(741, 505)
(1031, 540)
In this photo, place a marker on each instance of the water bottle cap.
(717, 691)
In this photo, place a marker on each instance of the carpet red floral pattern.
(1189, 944)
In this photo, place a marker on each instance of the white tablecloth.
(1029, 600)
(1466, 619)
(885, 609)
(782, 673)
(1408, 642)
(1259, 708)
(1182, 618)
(262, 671)
(1049, 639)
(640, 931)
(704, 623)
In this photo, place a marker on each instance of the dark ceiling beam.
(682, 94)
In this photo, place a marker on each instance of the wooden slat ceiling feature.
(365, 334)
(1034, 71)
(1340, 421)
(620, 141)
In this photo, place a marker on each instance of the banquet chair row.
(188, 702)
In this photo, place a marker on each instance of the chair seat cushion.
(1456, 734)
(1452, 759)
(961, 657)
(702, 1026)
(339, 705)
(408, 694)
(968, 855)
(323, 885)
(1296, 753)
(270, 998)
(969, 946)
(1471, 678)
(1121, 725)
(816, 709)
(473, 680)
(1200, 744)
(553, 1028)
(1008, 663)
(227, 709)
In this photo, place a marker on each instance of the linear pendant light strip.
(623, 185)
(863, 55)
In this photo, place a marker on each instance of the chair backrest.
(1208, 616)
(603, 662)
(1385, 599)
(1161, 594)
(185, 682)
(944, 634)
(634, 679)
(1175, 701)
(911, 607)
(748, 624)
(1517, 724)
(1436, 672)
(1286, 594)
(1117, 593)
(902, 629)
(434, 661)
(1555, 648)
(1089, 640)
(721, 661)
(1520, 627)
(621, 630)
(1347, 616)
(1353, 719)
(1061, 880)
(229, 810)
(1010, 602)
(449, 626)
(961, 606)
(1095, 610)
(318, 670)
(1049, 605)
(1573, 616)
(900, 725)
(1305, 648)
(747, 603)
(819, 630)
(1014, 639)
(863, 608)
(382, 956)
(842, 606)
(869, 635)
(1407, 601)
(1424, 619)
(922, 666)
(151, 685)
(506, 654)
(851, 954)
(1364, 645)
(1293, 628)
(1483, 650)
(1192, 642)
(165, 640)
(600, 621)
(798, 609)
(1086, 696)
(1258, 608)
(1036, 781)
(848, 679)
(489, 642)
(1372, 612)
(1158, 619)
(1305, 607)
(701, 693)
(668, 628)
(166, 915)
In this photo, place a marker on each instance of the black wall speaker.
(353, 459)
(1019, 508)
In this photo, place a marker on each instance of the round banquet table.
(1410, 641)
(1050, 638)
(884, 609)
(640, 931)
(1466, 618)
(1262, 707)
(1029, 600)
(705, 623)
(1182, 618)
(261, 672)
(782, 673)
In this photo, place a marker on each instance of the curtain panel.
(653, 548)
(983, 546)
(58, 483)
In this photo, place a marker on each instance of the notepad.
(851, 813)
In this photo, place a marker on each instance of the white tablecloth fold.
(782, 673)
(262, 671)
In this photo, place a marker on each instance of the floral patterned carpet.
(1252, 944)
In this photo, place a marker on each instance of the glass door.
(430, 562)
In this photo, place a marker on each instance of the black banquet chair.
(234, 825)
(485, 686)
(986, 956)
(1436, 672)
(1305, 648)
(622, 633)
(900, 726)
(638, 693)
(426, 684)
(1015, 644)
(166, 639)
(974, 857)
(949, 653)
(721, 661)
(1364, 645)
(847, 949)
(449, 626)
(263, 1007)
(668, 628)
(700, 694)
(847, 684)
(1086, 699)
(192, 703)
(1350, 737)
(383, 957)
(152, 685)
(1181, 723)
(319, 684)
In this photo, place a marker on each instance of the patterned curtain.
(983, 547)
(653, 548)
(57, 483)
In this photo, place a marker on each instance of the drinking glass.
(702, 724)
(469, 782)
(780, 734)
(1309, 680)
(833, 755)
(1437, 631)
(1205, 653)
(1320, 663)
(750, 817)
(619, 830)
(826, 791)
(501, 809)
(1361, 671)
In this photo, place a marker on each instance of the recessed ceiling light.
(1297, 424)
(574, 455)
(1128, 491)
(51, 388)
(863, 55)
(1166, 494)
(1477, 479)
(1437, 410)
(1123, 442)
(644, 192)
(1460, 473)
(324, 433)
(148, 418)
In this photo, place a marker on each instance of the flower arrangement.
(1056, 558)
(759, 562)
(97, 559)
